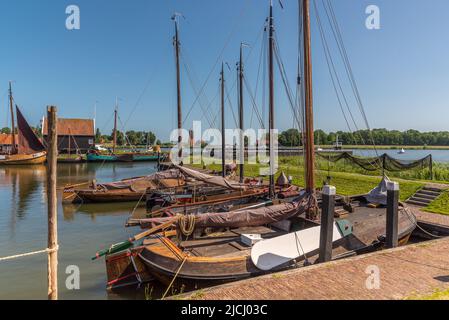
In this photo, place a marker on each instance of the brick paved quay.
(405, 272)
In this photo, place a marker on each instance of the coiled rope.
(187, 225)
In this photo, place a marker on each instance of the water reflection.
(26, 187)
(97, 210)
(82, 229)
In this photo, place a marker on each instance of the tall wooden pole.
(114, 143)
(223, 139)
(13, 126)
(310, 145)
(52, 205)
(178, 84)
(271, 99)
(242, 139)
(70, 151)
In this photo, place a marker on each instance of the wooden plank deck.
(405, 272)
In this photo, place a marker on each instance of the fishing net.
(382, 162)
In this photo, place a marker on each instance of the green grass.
(438, 294)
(440, 205)
(347, 183)
(370, 147)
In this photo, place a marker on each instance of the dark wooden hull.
(129, 194)
(126, 269)
(196, 272)
(211, 261)
(110, 197)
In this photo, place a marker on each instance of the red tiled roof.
(73, 127)
(6, 139)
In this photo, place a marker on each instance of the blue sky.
(125, 47)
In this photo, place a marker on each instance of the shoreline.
(390, 147)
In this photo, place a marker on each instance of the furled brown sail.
(29, 143)
(214, 180)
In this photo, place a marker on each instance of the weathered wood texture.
(52, 206)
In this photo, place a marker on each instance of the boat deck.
(226, 243)
(405, 273)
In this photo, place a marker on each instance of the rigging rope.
(231, 34)
(335, 79)
(200, 101)
(253, 103)
(339, 38)
(230, 104)
(285, 81)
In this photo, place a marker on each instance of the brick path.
(429, 217)
(405, 272)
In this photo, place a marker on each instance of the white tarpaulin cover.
(379, 193)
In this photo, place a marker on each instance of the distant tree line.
(134, 138)
(293, 137)
(37, 130)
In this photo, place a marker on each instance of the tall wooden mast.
(242, 139)
(223, 140)
(114, 138)
(13, 126)
(309, 132)
(271, 98)
(178, 82)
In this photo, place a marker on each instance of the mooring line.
(176, 275)
(29, 254)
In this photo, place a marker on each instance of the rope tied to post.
(21, 255)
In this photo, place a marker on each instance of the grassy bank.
(438, 294)
(440, 205)
(390, 147)
(440, 170)
(347, 183)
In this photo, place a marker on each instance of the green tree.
(98, 136)
(290, 138)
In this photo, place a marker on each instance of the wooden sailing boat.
(30, 149)
(95, 156)
(184, 259)
(127, 190)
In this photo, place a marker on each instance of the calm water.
(438, 155)
(82, 229)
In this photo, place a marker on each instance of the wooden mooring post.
(392, 214)
(52, 154)
(327, 223)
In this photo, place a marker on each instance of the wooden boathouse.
(6, 143)
(74, 135)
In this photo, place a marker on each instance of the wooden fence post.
(52, 154)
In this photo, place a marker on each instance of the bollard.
(392, 214)
(327, 223)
